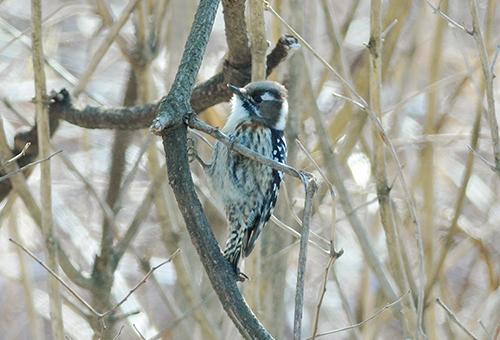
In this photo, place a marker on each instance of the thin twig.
(142, 336)
(485, 329)
(494, 62)
(194, 123)
(454, 318)
(492, 166)
(89, 307)
(362, 103)
(295, 234)
(143, 281)
(311, 188)
(119, 333)
(488, 80)
(386, 307)
(57, 277)
(333, 257)
(10, 174)
(388, 28)
(15, 158)
(322, 173)
(450, 20)
(291, 205)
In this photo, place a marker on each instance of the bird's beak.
(236, 90)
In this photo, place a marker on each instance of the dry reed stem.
(42, 121)
(407, 317)
(488, 80)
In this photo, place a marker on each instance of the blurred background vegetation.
(432, 95)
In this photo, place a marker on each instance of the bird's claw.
(193, 153)
(240, 276)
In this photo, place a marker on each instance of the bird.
(247, 189)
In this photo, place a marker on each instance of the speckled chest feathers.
(247, 189)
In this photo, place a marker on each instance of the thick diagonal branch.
(169, 124)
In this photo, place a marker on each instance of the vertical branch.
(379, 166)
(488, 78)
(258, 42)
(311, 187)
(427, 168)
(42, 120)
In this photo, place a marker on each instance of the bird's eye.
(258, 99)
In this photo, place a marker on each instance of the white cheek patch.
(280, 124)
(238, 113)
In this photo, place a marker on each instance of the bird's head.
(263, 102)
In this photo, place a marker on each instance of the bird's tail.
(233, 246)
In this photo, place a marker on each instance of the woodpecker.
(246, 188)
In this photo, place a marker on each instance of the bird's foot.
(232, 141)
(240, 276)
(193, 153)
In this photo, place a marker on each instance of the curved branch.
(93, 117)
(204, 95)
(219, 271)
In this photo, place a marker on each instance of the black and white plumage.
(248, 189)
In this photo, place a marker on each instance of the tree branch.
(311, 187)
(169, 124)
(205, 95)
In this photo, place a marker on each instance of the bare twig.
(494, 62)
(450, 20)
(57, 277)
(15, 158)
(322, 173)
(311, 187)
(333, 257)
(485, 329)
(454, 318)
(10, 174)
(362, 103)
(143, 281)
(488, 79)
(120, 332)
(194, 123)
(88, 306)
(490, 165)
(386, 307)
(138, 332)
(295, 234)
